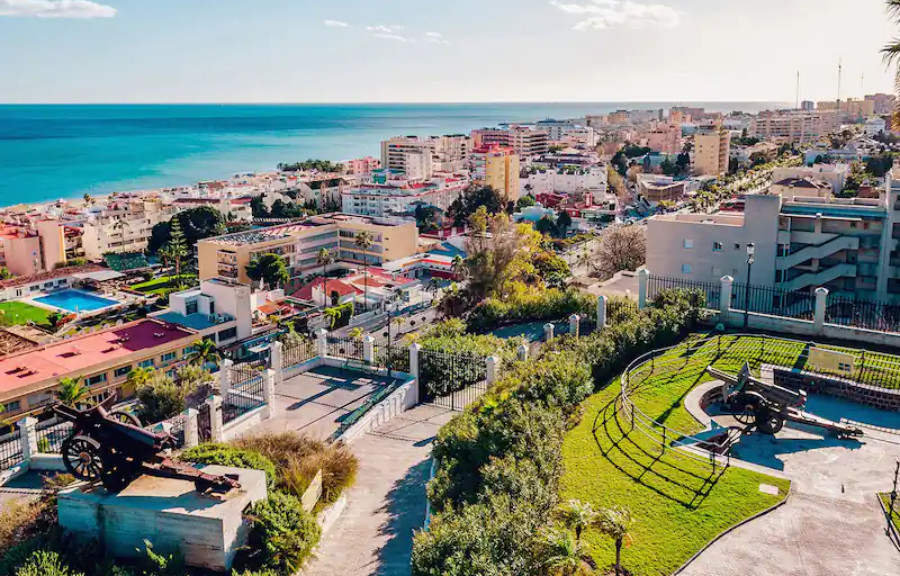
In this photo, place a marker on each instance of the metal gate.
(204, 423)
(451, 379)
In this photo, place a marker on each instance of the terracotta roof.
(334, 285)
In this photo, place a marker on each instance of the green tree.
(269, 270)
(5, 274)
(471, 200)
(258, 207)
(525, 202)
(563, 554)
(364, 241)
(563, 221)
(356, 334)
(325, 259)
(196, 224)
(545, 226)
(578, 516)
(203, 352)
(616, 523)
(71, 391)
(333, 313)
(176, 248)
(139, 376)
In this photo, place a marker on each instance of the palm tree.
(891, 53)
(563, 554)
(334, 313)
(578, 516)
(459, 267)
(616, 523)
(71, 391)
(399, 321)
(139, 376)
(356, 334)
(324, 259)
(204, 352)
(364, 241)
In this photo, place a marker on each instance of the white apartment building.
(389, 193)
(875, 125)
(849, 246)
(568, 133)
(834, 174)
(420, 157)
(124, 229)
(795, 126)
(524, 140)
(592, 181)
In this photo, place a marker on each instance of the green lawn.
(895, 517)
(164, 284)
(678, 503)
(15, 313)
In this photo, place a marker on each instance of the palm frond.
(892, 7)
(891, 51)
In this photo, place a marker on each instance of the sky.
(88, 51)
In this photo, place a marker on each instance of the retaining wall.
(875, 396)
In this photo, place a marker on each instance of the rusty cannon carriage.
(768, 406)
(111, 447)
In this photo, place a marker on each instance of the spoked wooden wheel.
(82, 458)
(125, 417)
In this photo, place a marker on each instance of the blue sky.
(425, 50)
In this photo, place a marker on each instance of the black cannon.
(113, 448)
(767, 405)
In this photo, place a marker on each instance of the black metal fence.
(869, 315)
(11, 450)
(587, 325)
(347, 348)
(800, 304)
(451, 379)
(298, 352)
(712, 290)
(247, 371)
(242, 399)
(619, 310)
(50, 439)
(204, 422)
(394, 356)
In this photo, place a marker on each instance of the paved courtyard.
(373, 536)
(832, 525)
(316, 402)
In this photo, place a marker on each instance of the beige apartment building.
(712, 150)
(794, 126)
(421, 157)
(525, 141)
(497, 167)
(299, 244)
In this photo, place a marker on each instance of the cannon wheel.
(746, 406)
(82, 457)
(769, 422)
(125, 417)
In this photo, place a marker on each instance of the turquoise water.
(49, 152)
(75, 301)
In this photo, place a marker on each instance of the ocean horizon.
(62, 151)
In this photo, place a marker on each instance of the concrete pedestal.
(207, 530)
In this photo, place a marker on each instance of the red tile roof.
(334, 285)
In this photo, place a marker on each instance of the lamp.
(751, 253)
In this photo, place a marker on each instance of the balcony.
(817, 252)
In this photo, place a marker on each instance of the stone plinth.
(207, 530)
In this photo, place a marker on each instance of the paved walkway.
(831, 526)
(373, 536)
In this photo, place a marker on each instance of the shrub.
(298, 458)
(163, 398)
(22, 520)
(529, 305)
(43, 563)
(283, 534)
(225, 455)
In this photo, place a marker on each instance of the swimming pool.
(75, 301)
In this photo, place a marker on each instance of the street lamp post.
(751, 251)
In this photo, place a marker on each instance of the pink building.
(666, 139)
(362, 165)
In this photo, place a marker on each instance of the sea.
(50, 152)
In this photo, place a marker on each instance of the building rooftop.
(49, 275)
(80, 354)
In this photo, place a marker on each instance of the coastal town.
(636, 342)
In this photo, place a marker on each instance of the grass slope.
(15, 313)
(678, 503)
(895, 517)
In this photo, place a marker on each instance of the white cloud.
(82, 9)
(395, 37)
(434, 34)
(382, 29)
(603, 14)
(336, 24)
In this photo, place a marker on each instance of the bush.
(225, 455)
(162, 397)
(283, 534)
(530, 305)
(298, 458)
(43, 563)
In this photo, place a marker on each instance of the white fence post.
(548, 332)
(601, 312)
(278, 361)
(225, 377)
(217, 433)
(269, 394)
(414, 350)
(725, 299)
(191, 428)
(574, 322)
(28, 438)
(643, 284)
(493, 369)
(368, 349)
(522, 353)
(821, 305)
(322, 343)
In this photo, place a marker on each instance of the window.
(169, 356)
(13, 406)
(716, 272)
(191, 307)
(737, 246)
(717, 246)
(99, 378)
(688, 244)
(844, 367)
(686, 269)
(227, 334)
(188, 351)
(146, 363)
(123, 371)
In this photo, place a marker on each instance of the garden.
(540, 475)
(165, 285)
